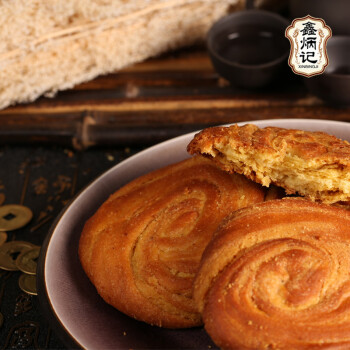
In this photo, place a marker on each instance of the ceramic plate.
(72, 305)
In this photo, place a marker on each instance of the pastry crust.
(276, 276)
(143, 246)
(314, 164)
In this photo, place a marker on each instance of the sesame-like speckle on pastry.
(313, 164)
(276, 276)
(142, 247)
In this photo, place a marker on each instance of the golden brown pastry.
(142, 248)
(277, 276)
(314, 164)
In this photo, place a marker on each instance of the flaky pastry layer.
(143, 246)
(276, 276)
(314, 164)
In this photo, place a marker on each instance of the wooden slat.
(155, 100)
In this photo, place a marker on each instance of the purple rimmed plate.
(68, 299)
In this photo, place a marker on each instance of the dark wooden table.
(52, 148)
(153, 101)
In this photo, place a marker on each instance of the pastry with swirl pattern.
(143, 246)
(277, 276)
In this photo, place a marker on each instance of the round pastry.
(143, 246)
(276, 276)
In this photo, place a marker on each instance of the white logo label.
(308, 39)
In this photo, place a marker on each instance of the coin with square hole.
(26, 261)
(14, 216)
(28, 284)
(9, 252)
(3, 238)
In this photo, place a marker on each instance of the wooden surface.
(155, 100)
(43, 179)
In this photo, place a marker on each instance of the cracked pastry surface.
(142, 248)
(313, 164)
(276, 276)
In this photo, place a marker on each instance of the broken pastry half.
(315, 165)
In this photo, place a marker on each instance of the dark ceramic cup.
(333, 86)
(249, 48)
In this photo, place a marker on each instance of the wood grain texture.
(155, 100)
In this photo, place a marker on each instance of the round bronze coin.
(26, 261)
(14, 216)
(28, 284)
(3, 238)
(9, 252)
